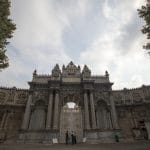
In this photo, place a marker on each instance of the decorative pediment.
(86, 72)
(56, 72)
(71, 65)
(71, 70)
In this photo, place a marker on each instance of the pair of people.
(73, 138)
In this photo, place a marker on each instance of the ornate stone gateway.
(41, 114)
(47, 115)
(71, 121)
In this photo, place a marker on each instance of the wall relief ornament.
(22, 98)
(71, 70)
(11, 97)
(104, 96)
(40, 95)
(2, 96)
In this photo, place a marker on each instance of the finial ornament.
(71, 63)
(56, 71)
(63, 67)
(86, 72)
(106, 73)
(35, 72)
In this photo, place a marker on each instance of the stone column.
(49, 111)
(142, 93)
(15, 96)
(56, 110)
(105, 119)
(131, 97)
(110, 121)
(27, 113)
(147, 125)
(3, 120)
(92, 106)
(6, 120)
(86, 110)
(113, 112)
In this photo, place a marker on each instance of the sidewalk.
(114, 146)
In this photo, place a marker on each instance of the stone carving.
(74, 97)
(128, 101)
(86, 73)
(137, 97)
(40, 95)
(71, 70)
(2, 97)
(104, 96)
(35, 72)
(106, 73)
(38, 116)
(118, 99)
(55, 85)
(56, 72)
(103, 115)
(21, 98)
(11, 97)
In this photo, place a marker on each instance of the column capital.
(30, 91)
(51, 90)
(85, 90)
(91, 90)
(57, 91)
(6, 111)
(110, 93)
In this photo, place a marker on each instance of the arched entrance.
(71, 121)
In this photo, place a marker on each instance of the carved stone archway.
(71, 121)
(38, 116)
(103, 115)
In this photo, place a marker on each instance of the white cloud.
(126, 62)
(103, 34)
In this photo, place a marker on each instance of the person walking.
(67, 137)
(72, 138)
(75, 139)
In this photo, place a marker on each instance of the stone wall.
(132, 105)
(133, 109)
(12, 105)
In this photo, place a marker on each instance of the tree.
(6, 30)
(144, 13)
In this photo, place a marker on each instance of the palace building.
(73, 100)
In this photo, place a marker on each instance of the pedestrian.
(116, 138)
(72, 138)
(67, 137)
(75, 140)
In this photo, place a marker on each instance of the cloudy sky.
(104, 34)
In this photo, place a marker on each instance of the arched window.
(103, 116)
(38, 116)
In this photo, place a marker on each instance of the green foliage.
(144, 13)
(6, 30)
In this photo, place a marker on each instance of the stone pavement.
(103, 146)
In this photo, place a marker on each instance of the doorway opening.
(71, 121)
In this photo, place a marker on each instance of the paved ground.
(115, 146)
